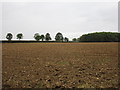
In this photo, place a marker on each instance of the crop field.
(60, 65)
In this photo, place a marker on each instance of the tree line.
(90, 37)
(59, 37)
(99, 37)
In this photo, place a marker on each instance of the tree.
(100, 37)
(37, 37)
(19, 36)
(74, 39)
(9, 36)
(47, 37)
(42, 37)
(66, 39)
(59, 37)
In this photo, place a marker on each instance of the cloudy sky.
(72, 19)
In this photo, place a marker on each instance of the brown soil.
(60, 65)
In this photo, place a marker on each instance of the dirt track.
(60, 65)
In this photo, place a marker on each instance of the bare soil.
(60, 65)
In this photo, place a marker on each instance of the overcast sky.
(72, 19)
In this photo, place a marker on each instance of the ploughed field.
(60, 65)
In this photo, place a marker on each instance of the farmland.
(60, 65)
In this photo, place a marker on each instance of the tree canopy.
(42, 37)
(37, 37)
(9, 36)
(66, 39)
(100, 37)
(47, 37)
(59, 37)
(19, 36)
(90, 37)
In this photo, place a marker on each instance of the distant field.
(60, 65)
